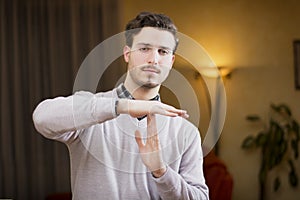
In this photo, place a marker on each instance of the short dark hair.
(149, 19)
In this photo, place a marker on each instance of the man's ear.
(126, 53)
(173, 58)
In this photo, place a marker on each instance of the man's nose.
(153, 57)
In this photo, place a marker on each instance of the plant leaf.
(261, 139)
(283, 147)
(291, 165)
(283, 108)
(277, 184)
(273, 160)
(279, 133)
(293, 179)
(248, 142)
(294, 145)
(295, 127)
(252, 118)
(274, 107)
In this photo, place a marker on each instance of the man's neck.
(141, 92)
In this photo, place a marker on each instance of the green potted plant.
(278, 141)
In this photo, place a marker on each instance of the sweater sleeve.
(53, 118)
(189, 182)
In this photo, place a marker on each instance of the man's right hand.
(139, 108)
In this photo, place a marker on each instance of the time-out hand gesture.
(150, 151)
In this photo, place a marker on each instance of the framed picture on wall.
(297, 63)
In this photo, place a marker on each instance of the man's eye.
(144, 49)
(163, 52)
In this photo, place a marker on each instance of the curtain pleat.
(42, 44)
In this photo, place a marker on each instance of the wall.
(254, 37)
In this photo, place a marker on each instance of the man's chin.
(150, 85)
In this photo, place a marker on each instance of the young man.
(125, 143)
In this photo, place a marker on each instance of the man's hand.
(139, 108)
(150, 152)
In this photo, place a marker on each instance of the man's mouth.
(151, 69)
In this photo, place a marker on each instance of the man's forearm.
(64, 114)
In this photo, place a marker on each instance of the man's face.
(150, 58)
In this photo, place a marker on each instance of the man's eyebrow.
(147, 44)
(142, 43)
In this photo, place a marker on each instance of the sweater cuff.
(116, 107)
(168, 181)
(105, 108)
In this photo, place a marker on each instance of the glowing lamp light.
(216, 72)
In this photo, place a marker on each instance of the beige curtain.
(42, 44)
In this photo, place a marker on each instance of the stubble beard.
(150, 83)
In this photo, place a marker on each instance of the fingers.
(174, 112)
(138, 139)
(151, 125)
(184, 114)
(167, 110)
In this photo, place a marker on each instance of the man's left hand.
(150, 151)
